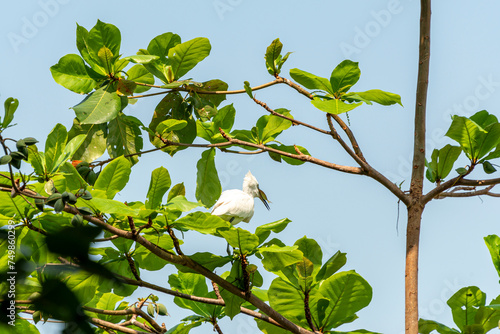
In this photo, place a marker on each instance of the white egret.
(237, 205)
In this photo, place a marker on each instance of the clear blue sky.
(350, 213)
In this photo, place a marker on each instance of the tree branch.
(301, 157)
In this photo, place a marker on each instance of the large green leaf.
(493, 243)
(158, 186)
(54, 146)
(213, 85)
(344, 76)
(273, 53)
(202, 222)
(377, 96)
(114, 177)
(148, 260)
(334, 106)
(104, 36)
(191, 284)
(263, 231)
(474, 140)
(276, 258)
(161, 44)
(10, 106)
(70, 148)
(311, 81)
(72, 73)
(348, 293)
(173, 107)
(94, 144)
(140, 74)
(334, 263)
(270, 126)
(429, 326)
(240, 238)
(208, 188)
(184, 57)
(464, 305)
(98, 107)
(442, 162)
(124, 137)
(287, 300)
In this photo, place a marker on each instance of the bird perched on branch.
(237, 205)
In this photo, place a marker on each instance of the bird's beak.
(263, 198)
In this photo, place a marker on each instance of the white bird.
(238, 205)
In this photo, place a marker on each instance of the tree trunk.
(411, 269)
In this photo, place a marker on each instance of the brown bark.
(416, 204)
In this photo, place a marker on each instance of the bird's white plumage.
(237, 205)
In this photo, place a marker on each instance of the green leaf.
(72, 73)
(54, 146)
(334, 106)
(344, 76)
(184, 57)
(213, 85)
(100, 106)
(202, 222)
(270, 126)
(114, 177)
(378, 96)
(158, 186)
(248, 89)
(464, 305)
(290, 149)
(233, 303)
(124, 137)
(10, 106)
(265, 230)
(138, 73)
(474, 140)
(94, 144)
(428, 326)
(311, 81)
(312, 251)
(241, 239)
(488, 167)
(268, 328)
(337, 261)
(273, 52)
(191, 284)
(442, 162)
(173, 107)
(348, 293)
(224, 119)
(487, 318)
(170, 125)
(104, 35)
(141, 59)
(208, 188)
(493, 244)
(287, 300)
(69, 149)
(277, 258)
(178, 190)
(161, 44)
